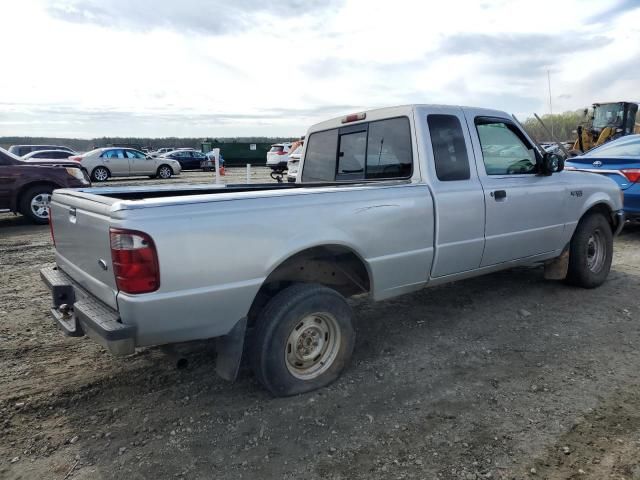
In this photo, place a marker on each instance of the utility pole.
(550, 104)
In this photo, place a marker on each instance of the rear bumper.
(278, 163)
(632, 202)
(79, 313)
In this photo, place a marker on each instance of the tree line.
(82, 145)
(563, 126)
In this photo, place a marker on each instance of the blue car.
(620, 161)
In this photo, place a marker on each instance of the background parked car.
(619, 160)
(49, 155)
(103, 163)
(161, 151)
(188, 159)
(278, 156)
(22, 150)
(294, 163)
(25, 187)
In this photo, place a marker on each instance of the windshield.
(608, 115)
(276, 148)
(7, 157)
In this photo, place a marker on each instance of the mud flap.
(229, 351)
(557, 268)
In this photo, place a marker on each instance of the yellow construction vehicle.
(606, 122)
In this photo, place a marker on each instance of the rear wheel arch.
(28, 186)
(336, 266)
(32, 191)
(164, 165)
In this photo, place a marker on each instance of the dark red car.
(26, 187)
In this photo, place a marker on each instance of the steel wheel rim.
(100, 174)
(165, 172)
(596, 251)
(40, 205)
(312, 346)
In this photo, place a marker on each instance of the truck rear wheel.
(590, 252)
(303, 340)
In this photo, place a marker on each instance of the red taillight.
(53, 237)
(135, 261)
(633, 174)
(76, 158)
(281, 152)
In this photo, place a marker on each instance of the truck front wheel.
(303, 339)
(591, 252)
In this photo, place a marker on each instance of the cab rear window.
(365, 151)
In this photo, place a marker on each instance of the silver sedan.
(103, 163)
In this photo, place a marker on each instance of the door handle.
(499, 194)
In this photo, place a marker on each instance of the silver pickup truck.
(386, 202)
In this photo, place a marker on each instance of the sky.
(216, 68)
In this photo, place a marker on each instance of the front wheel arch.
(605, 210)
(591, 249)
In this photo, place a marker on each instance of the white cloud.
(218, 68)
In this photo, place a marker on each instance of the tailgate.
(81, 232)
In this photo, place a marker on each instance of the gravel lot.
(504, 376)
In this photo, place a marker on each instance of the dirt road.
(505, 376)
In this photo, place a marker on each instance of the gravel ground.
(506, 376)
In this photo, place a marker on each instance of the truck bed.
(159, 191)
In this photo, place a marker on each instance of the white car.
(278, 156)
(48, 155)
(293, 164)
(103, 163)
(161, 151)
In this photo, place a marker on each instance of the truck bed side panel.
(215, 256)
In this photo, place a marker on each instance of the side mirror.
(552, 163)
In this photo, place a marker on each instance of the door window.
(505, 151)
(449, 148)
(134, 154)
(113, 154)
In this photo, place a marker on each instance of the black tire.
(165, 172)
(33, 203)
(590, 252)
(100, 174)
(283, 317)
